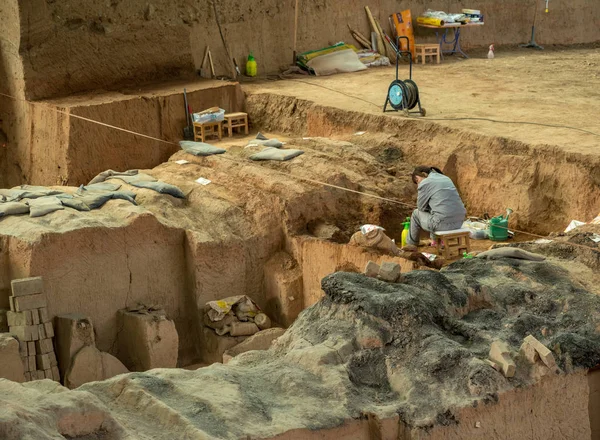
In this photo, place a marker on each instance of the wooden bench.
(427, 50)
(203, 130)
(456, 242)
(236, 120)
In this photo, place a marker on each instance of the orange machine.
(402, 22)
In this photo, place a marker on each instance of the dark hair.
(423, 171)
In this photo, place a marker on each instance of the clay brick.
(11, 363)
(27, 376)
(500, 353)
(11, 301)
(43, 362)
(42, 331)
(52, 357)
(25, 332)
(23, 348)
(30, 302)
(31, 363)
(17, 318)
(35, 317)
(48, 374)
(26, 286)
(31, 351)
(545, 354)
(529, 353)
(389, 272)
(44, 346)
(55, 374)
(372, 269)
(49, 329)
(43, 312)
(39, 374)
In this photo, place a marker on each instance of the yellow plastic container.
(405, 232)
(251, 66)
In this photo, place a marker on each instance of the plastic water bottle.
(405, 231)
(251, 66)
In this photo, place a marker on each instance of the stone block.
(30, 302)
(89, 365)
(31, 351)
(35, 317)
(260, 341)
(500, 353)
(389, 272)
(73, 332)
(147, 341)
(43, 313)
(25, 332)
(42, 331)
(39, 375)
(23, 348)
(27, 376)
(43, 362)
(372, 269)
(529, 353)
(27, 286)
(545, 354)
(48, 374)
(11, 364)
(44, 346)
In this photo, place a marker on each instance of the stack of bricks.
(28, 321)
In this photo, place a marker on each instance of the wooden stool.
(455, 242)
(201, 131)
(427, 50)
(236, 120)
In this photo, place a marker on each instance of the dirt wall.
(545, 186)
(79, 45)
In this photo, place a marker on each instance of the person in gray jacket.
(439, 206)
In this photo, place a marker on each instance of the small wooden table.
(443, 38)
(203, 130)
(236, 120)
(455, 242)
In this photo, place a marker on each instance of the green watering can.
(498, 228)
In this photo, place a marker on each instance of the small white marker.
(359, 133)
(202, 181)
(182, 161)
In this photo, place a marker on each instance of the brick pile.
(29, 322)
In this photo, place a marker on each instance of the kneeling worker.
(439, 206)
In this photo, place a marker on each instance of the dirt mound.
(416, 349)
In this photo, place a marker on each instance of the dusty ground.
(412, 352)
(556, 86)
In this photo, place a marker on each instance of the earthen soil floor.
(555, 86)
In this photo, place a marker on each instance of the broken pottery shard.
(389, 272)
(147, 341)
(262, 321)
(73, 332)
(259, 341)
(372, 269)
(26, 286)
(529, 353)
(545, 354)
(243, 329)
(500, 353)
(11, 364)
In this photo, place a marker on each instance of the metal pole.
(295, 32)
